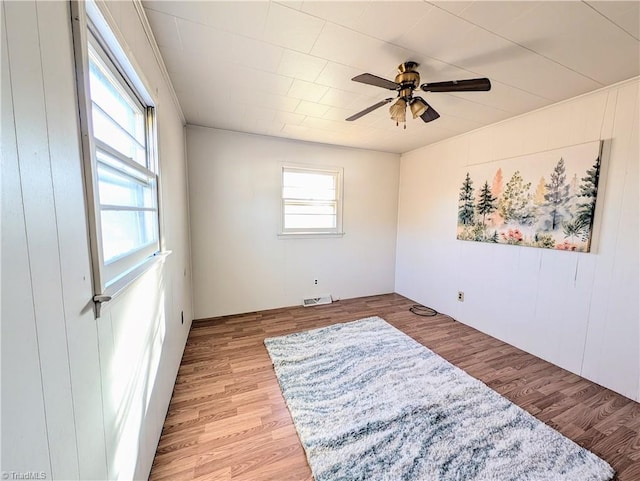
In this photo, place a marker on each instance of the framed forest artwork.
(542, 200)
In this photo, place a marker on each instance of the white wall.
(579, 311)
(81, 398)
(240, 264)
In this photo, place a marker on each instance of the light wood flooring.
(228, 421)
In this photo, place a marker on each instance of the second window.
(311, 200)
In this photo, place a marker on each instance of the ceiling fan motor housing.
(408, 79)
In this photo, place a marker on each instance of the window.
(311, 200)
(127, 185)
(118, 123)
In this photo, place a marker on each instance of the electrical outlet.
(461, 296)
(315, 282)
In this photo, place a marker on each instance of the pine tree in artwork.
(573, 194)
(571, 230)
(588, 191)
(541, 190)
(497, 185)
(486, 202)
(466, 205)
(514, 203)
(557, 195)
(573, 185)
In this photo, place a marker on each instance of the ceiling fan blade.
(369, 109)
(470, 85)
(429, 115)
(370, 79)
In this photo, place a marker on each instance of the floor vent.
(316, 301)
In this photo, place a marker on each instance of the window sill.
(115, 290)
(309, 235)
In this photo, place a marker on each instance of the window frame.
(338, 174)
(91, 29)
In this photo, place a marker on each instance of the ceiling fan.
(405, 83)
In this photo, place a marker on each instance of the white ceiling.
(284, 68)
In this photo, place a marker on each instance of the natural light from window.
(127, 185)
(310, 200)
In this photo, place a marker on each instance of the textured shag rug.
(370, 403)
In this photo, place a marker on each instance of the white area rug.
(370, 403)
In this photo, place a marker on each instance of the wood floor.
(228, 421)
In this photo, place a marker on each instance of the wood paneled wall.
(580, 311)
(81, 398)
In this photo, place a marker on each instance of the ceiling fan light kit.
(418, 107)
(407, 80)
(398, 111)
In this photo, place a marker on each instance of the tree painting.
(515, 203)
(497, 184)
(557, 213)
(486, 202)
(557, 196)
(466, 204)
(496, 190)
(588, 192)
(541, 191)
